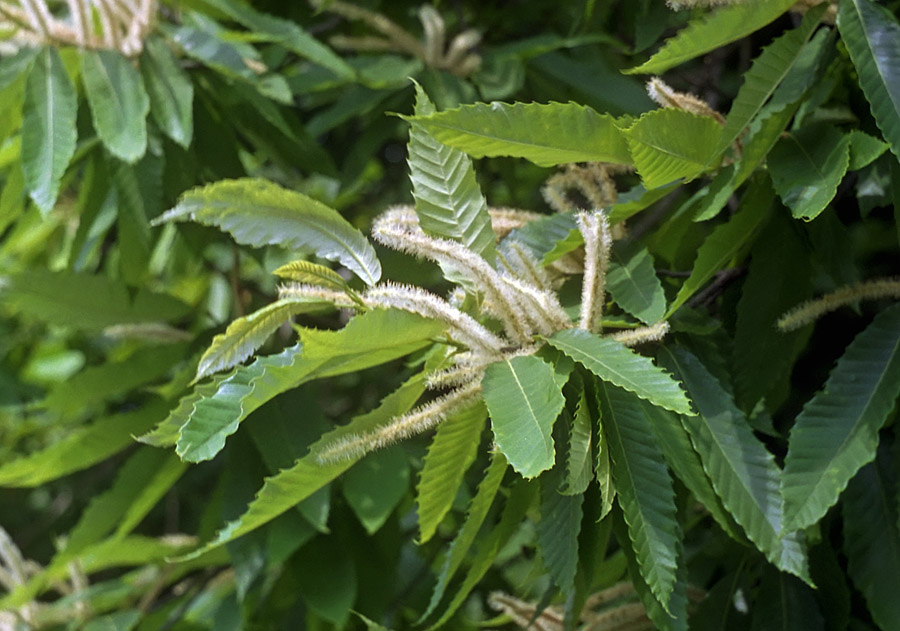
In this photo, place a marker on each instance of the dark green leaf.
(632, 282)
(170, 90)
(784, 602)
(579, 470)
(375, 486)
(557, 531)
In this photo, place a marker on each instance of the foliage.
(644, 373)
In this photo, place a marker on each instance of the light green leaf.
(872, 36)
(724, 244)
(578, 453)
(86, 301)
(165, 434)
(872, 543)
(257, 213)
(546, 134)
(311, 273)
(711, 31)
(524, 401)
(448, 199)
(614, 362)
(374, 486)
(643, 488)
(668, 144)
(806, 167)
(14, 66)
(557, 531)
(465, 537)
(369, 339)
(119, 103)
(117, 621)
(170, 91)
(632, 282)
(837, 431)
(742, 471)
(769, 69)
(542, 235)
(288, 487)
(864, 149)
(49, 131)
(246, 334)
(673, 439)
(81, 448)
(452, 451)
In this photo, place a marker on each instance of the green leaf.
(257, 213)
(118, 621)
(614, 362)
(784, 602)
(369, 339)
(311, 273)
(557, 531)
(524, 401)
(673, 439)
(603, 469)
(374, 486)
(119, 103)
(635, 200)
(668, 144)
(448, 199)
(872, 543)
(643, 488)
(14, 66)
(742, 471)
(769, 69)
(632, 282)
(578, 453)
(864, 149)
(465, 537)
(165, 434)
(81, 448)
(546, 134)
(727, 240)
(246, 334)
(87, 301)
(288, 487)
(541, 236)
(170, 91)
(837, 431)
(806, 167)
(711, 31)
(450, 454)
(872, 36)
(779, 277)
(49, 131)
(331, 589)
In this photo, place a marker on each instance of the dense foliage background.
(209, 375)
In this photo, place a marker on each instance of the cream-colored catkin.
(640, 335)
(811, 310)
(597, 241)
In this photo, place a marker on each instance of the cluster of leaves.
(623, 438)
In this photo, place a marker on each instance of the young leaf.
(118, 100)
(86, 301)
(81, 448)
(837, 431)
(726, 241)
(465, 537)
(872, 36)
(448, 199)
(170, 90)
(668, 144)
(49, 131)
(806, 167)
(288, 487)
(710, 31)
(246, 334)
(742, 471)
(643, 488)
(524, 401)
(768, 70)
(603, 470)
(546, 134)
(368, 340)
(633, 284)
(872, 543)
(557, 531)
(452, 451)
(616, 363)
(374, 486)
(578, 455)
(311, 273)
(257, 213)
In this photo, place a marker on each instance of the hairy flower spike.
(597, 240)
(520, 262)
(505, 220)
(633, 337)
(316, 292)
(808, 311)
(659, 91)
(414, 422)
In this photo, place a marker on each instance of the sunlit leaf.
(311, 273)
